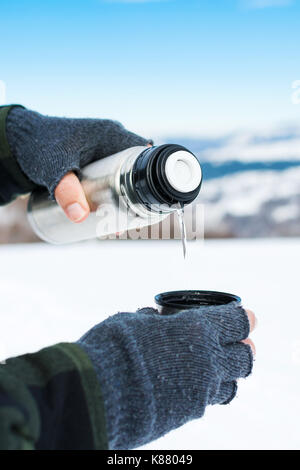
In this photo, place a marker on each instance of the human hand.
(158, 372)
(51, 152)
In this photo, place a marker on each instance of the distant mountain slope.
(251, 183)
(253, 204)
(281, 144)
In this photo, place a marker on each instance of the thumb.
(70, 196)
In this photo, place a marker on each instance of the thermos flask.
(131, 189)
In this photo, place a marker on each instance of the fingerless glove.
(158, 372)
(47, 148)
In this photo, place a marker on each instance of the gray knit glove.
(158, 372)
(47, 148)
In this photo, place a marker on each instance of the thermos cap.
(183, 171)
(168, 174)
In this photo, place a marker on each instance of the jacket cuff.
(13, 182)
(61, 390)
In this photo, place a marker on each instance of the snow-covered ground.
(50, 294)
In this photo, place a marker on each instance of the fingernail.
(75, 212)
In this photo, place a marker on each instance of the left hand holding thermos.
(51, 152)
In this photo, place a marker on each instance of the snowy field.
(51, 294)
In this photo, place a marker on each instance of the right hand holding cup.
(158, 372)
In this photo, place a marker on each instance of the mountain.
(260, 203)
(278, 144)
(251, 183)
(14, 226)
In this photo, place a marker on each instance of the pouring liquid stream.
(180, 214)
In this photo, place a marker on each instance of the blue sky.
(162, 67)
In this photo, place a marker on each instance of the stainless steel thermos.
(132, 189)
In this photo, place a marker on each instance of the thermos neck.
(166, 175)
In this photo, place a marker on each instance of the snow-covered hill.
(275, 144)
(253, 204)
(251, 183)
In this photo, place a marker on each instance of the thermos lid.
(183, 171)
(168, 174)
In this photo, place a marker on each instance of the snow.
(244, 194)
(286, 212)
(50, 294)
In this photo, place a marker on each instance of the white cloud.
(267, 3)
(244, 147)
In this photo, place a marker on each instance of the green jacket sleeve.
(51, 400)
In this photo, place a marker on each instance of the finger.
(251, 344)
(231, 321)
(237, 361)
(70, 196)
(252, 319)
(225, 394)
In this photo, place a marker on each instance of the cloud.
(259, 4)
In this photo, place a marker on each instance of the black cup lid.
(185, 299)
